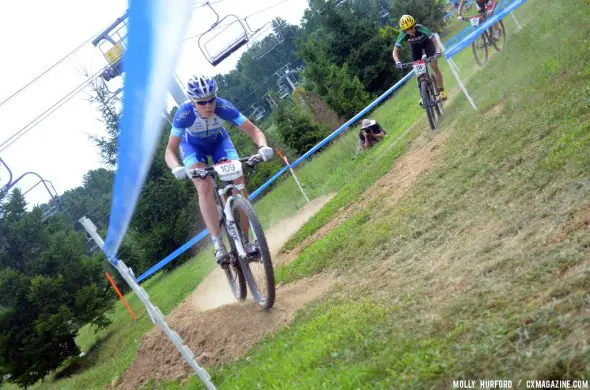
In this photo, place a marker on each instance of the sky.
(37, 33)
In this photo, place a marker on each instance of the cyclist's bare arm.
(171, 150)
(396, 54)
(436, 45)
(254, 132)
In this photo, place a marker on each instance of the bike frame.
(224, 197)
(225, 202)
(482, 18)
(426, 76)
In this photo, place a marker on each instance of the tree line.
(52, 284)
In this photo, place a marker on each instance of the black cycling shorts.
(426, 46)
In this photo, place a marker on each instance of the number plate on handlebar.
(419, 67)
(229, 170)
(474, 22)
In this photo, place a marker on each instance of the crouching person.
(371, 133)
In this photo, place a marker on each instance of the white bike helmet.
(201, 87)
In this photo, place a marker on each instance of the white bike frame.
(230, 222)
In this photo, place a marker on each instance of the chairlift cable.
(210, 29)
(47, 70)
(235, 21)
(17, 135)
(207, 2)
(267, 8)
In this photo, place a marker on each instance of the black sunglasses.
(205, 102)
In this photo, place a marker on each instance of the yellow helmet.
(406, 22)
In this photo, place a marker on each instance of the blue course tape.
(173, 255)
(466, 41)
(154, 37)
(259, 190)
(342, 128)
(467, 29)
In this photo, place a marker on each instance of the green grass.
(444, 292)
(362, 351)
(111, 351)
(482, 270)
(336, 169)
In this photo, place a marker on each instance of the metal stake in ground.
(292, 173)
(456, 74)
(155, 313)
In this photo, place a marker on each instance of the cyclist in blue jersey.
(198, 132)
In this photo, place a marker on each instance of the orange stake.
(121, 296)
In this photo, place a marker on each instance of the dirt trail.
(421, 156)
(219, 330)
(216, 327)
(214, 290)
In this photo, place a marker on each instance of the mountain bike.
(429, 94)
(249, 257)
(494, 36)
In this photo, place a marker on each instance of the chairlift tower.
(284, 73)
(271, 101)
(283, 91)
(260, 41)
(383, 14)
(112, 43)
(54, 204)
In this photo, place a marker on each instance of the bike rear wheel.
(501, 33)
(427, 103)
(258, 270)
(233, 270)
(480, 49)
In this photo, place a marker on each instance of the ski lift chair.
(244, 37)
(113, 43)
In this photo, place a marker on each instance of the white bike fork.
(231, 227)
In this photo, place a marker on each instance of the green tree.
(430, 13)
(348, 33)
(49, 289)
(342, 90)
(297, 127)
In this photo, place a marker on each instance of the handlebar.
(427, 60)
(468, 18)
(202, 173)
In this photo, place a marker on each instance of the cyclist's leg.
(195, 157)
(225, 148)
(430, 51)
(416, 50)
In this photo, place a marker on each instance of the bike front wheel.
(233, 270)
(427, 103)
(257, 267)
(438, 105)
(480, 49)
